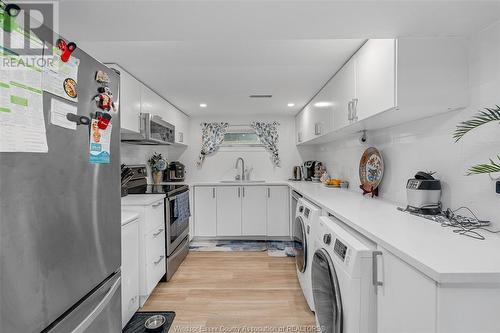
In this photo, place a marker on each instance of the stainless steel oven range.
(177, 212)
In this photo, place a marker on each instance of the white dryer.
(306, 219)
(341, 274)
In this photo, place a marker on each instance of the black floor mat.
(136, 323)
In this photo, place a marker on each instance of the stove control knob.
(327, 238)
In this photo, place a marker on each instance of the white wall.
(138, 154)
(428, 145)
(221, 164)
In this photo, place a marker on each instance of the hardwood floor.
(231, 291)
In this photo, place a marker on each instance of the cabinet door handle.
(239, 194)
(355, 109)
(243, 192)
(213, 192)
(268, 192)
(159, 260)
(375, 280)
(158, 204)
(299, 137)
(349, 111)
(159, 232)
(317, 129)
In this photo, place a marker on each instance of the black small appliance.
(175, 172)
(309, 168)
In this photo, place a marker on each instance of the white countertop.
(434, 250)
(141, 199)
(128, 216)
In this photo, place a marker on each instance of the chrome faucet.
(242, 176)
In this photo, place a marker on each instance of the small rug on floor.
(136, 323)
(273, 248)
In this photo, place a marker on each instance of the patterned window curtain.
(211, 139)
(268, 135)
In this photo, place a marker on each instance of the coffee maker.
(309, 168)
(175, 172)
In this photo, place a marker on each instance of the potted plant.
(483, 117)
(158, 164)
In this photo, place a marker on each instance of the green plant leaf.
(483, 117)
(485, 168)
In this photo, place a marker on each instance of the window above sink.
(241, 136)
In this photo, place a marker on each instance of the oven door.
(177, 224)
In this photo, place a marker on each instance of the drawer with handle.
(155, 257)
(155, 215)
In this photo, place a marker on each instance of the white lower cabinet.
(406, 300)
(236, 211)
(130, 270)
(278, 212)
(205, 212)
(155, 258)
(228, 210)
(253, 212)
(152, 255)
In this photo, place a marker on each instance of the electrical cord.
(467, 226)
(462, 225)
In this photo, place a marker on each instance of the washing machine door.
(326, 293)
(300, 244)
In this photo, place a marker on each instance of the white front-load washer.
(306, 219)
(341, 274)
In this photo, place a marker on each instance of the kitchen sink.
(242, 181)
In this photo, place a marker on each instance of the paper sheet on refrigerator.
(60, 78)
(100, 142)
(22, 123)
(59, 111)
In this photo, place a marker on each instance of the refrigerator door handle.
(98, 309)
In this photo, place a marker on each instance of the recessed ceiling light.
(203, 105)
(291, 105)
(322, 104)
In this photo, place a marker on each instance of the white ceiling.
(219, 52)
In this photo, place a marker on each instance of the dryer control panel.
(340, 249)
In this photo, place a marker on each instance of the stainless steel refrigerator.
(60, 226)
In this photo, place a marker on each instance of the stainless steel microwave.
(153, 131)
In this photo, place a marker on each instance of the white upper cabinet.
(129, 101)
(375, 65)
(155, 104)
(299, 127)
(182, 129)
(137, 98)
(151, 102)
(343, 87)
(179, 120)
(321, 109)
(388, 82)
(432, 75)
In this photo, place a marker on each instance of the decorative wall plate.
(371, 171)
